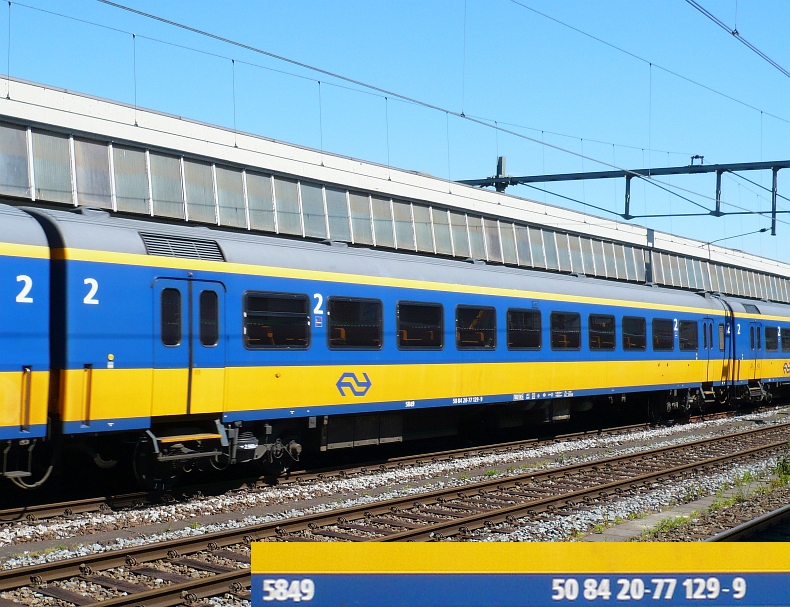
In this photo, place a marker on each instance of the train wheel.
(149, 471)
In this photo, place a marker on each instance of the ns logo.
(352, 383)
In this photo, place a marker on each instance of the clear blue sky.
(518, 68)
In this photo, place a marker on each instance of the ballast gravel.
(369, 487)
(568, 527)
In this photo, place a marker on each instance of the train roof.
(99, 231)
(17, 227)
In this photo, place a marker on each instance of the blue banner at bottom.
(521, 590)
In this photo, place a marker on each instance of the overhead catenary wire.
(378, 89)
(737, 35)
(642, 59)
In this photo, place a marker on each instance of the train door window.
(751, 337)
(704, 338)
(759, 332)
(721, 337)
(523, 329)
(565, 331)
(354, 323)
(689, 336)
(276, 320)
(785, 336)
(710, 336)
(209, 318)
(634, 333)
(420, 326)
(171, 317)
(772, 339)
(475, 328)
(601, 331)
(663, 335)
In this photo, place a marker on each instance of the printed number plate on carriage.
(487, 574)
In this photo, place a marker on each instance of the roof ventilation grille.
(187, 248)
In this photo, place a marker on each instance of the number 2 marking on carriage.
(23, 294)
(90, 297)
(319, 301)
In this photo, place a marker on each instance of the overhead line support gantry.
(502, 181)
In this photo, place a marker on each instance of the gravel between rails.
(321, 496)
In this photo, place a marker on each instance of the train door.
(725, 349)
(755, 350)
(708, 352)
(189, 352)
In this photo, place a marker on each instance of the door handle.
(27, 382)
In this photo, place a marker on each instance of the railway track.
(107, 504)
(181, 571)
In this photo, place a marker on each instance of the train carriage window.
(634, 333)
(565, 331)
(785, 337)
(663, 336)
(772, 339)
(689, 336)
(601, 331)
(475, 328)
(171, 317)
(523, 329)
(751, 337)
(276, 320)
(420, 326)
(721, 337)
(354, 323)
(209, 318)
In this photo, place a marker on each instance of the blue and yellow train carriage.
(24, 340)
(207, 344)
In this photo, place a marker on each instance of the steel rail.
(180, 594)
(749, 528)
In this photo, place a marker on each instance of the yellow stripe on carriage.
(32, 251)
(130, 393)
